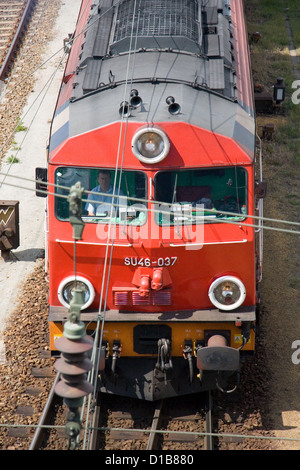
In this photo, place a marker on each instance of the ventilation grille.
(162, 297)
(132, 297)
(121, 298)
(158, 18)
(139, 300)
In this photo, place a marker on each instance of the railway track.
(126, 424)
(27, 376)
(14, 17)
(165, 425)
(40, 378)
(42, 431)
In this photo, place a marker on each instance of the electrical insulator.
(73, 366)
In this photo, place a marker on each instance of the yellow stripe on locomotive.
(140, 339)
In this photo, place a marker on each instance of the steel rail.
(15, 42)
(208, 422)
(96, 413)
(41, 429)
(155, 432)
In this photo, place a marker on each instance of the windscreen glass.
(201, 195)
(107, 195)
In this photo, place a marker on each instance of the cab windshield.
(107, 195)
(200, 195)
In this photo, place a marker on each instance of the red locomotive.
(155, 119)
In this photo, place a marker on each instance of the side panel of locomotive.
(172, 273)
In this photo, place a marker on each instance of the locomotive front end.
(158, 127)
(167, 266)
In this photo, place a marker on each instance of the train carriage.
(157, 99)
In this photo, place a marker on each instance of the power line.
(46, 88)
(70, 43)
(159, 203)
(30, 74)
(226, 221)
(139, 430)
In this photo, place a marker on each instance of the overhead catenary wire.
(46, 86)
(110, 229)
(142, 431)
(7, 173)
(239, 223)
(119, 167)
(69, 43)
(21, 82)
(154, 210)
(44, 89)
(156, 202)
(202, 433)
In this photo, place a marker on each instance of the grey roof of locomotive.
(179, 48)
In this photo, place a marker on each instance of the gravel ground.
(26, 348)
(280, 299)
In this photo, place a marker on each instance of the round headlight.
(65, 291)
(227, 293)
(150, 145)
